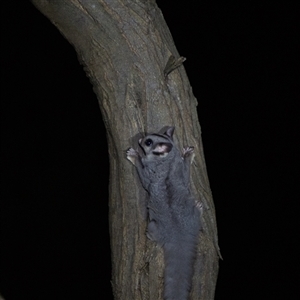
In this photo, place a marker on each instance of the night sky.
(243, 65)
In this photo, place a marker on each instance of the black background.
(243, 65)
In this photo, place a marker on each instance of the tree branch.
(124, 47)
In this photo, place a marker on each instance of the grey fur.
(174, 219)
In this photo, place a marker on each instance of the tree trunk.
(124, 46)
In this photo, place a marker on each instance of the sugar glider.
(174, 218)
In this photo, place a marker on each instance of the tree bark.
(124, 46)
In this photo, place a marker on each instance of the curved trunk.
(127, 52)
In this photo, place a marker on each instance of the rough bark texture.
(124, 46)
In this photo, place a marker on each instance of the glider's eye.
(148, 142)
